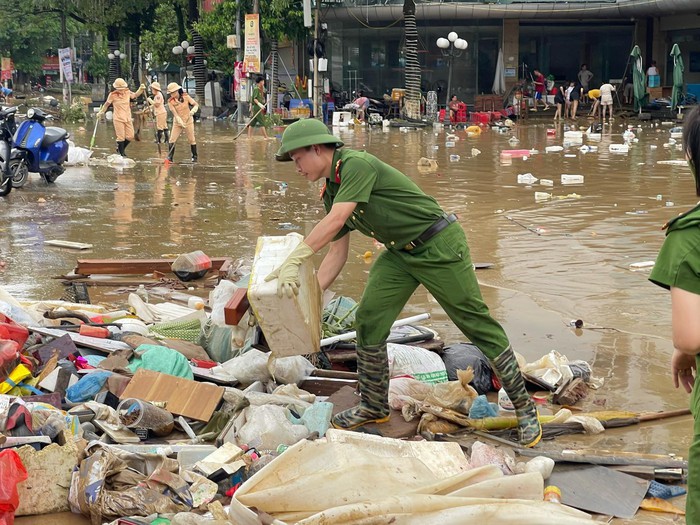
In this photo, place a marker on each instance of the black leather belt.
(439, 225)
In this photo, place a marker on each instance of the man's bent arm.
(326, 230)
(334, 261)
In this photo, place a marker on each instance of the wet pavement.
(556, 260)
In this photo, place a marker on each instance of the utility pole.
(318, 113)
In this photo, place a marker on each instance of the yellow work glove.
(150, 101)
(179, 120)
(193, 111)
(287, 274)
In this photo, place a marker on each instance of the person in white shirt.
(653, 75)
(606, 100)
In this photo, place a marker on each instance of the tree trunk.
(274, 80)
(412, 69)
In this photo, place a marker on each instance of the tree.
(412, 70)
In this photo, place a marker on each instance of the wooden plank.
(593, 488)
(135, 266)
(105, 345)
(69, 244)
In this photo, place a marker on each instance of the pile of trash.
(169, 406)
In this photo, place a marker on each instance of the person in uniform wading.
(424, 245)
(161, 115)
(120, 100)
(183, 107)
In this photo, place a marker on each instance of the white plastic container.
(546, 182)
(291, 326)
(619, 148)
(553, 149)
(527, 178)
(542, 196)
(572, 179)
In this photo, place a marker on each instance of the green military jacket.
(390, 207)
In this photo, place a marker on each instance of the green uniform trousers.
(443, 265)
(692, 501)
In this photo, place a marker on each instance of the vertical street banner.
(6, 68)
(66, 66)
(251, 57)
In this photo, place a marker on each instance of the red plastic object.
(9, 358)
(200, 363)
(15, 331)
(94, 331)
(12, 471)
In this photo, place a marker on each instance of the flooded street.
(561, 259)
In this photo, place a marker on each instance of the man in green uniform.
(257, 107)
(677, 269)
(424, 246)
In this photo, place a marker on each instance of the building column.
(511, 49)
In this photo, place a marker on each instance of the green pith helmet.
(303, 133)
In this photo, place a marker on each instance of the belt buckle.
(410, 246)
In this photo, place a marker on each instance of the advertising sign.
(7, 67)
(66, 66)
(252, 43)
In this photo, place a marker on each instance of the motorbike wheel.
(5, 186)
(20, 173)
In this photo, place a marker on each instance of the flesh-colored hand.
(683, 370)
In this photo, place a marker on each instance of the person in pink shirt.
(183, 107)
(363, 103)
(161, 115)
(120, 100)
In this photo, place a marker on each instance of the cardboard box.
(182, 397)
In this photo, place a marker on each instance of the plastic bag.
(218, 298)
(463, 355)
(455, 395)
(217, 341)
(77, 155)
(291, 370)
(266, 427)
(248, 367)
(161, 359)
(88, 387)
(12, 472)
(552, 368)
(402, 389)
(419, 363)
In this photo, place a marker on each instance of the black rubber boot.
(193, 147)
(124, 145)
(120, 148)
(508, 371)
(171, 151)
(166, 135)
(159, 134)
(373, 384)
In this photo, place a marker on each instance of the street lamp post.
(450, 47)
(184, 48)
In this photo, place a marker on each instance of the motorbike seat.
(7, 112)
(53, 135)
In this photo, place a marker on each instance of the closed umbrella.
(499, 80)
(638, 79)
(677, 76)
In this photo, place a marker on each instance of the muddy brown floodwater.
(556, 260)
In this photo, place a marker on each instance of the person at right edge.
(677, 269)
(183, 107)
(424, 245)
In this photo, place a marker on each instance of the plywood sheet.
(182, 397)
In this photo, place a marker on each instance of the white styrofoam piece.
(292, 326)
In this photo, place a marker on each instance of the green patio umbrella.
(677, 76)
(638, 79)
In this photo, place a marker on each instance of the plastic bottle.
(552, 494)
(142, 293)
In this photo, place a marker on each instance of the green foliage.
(160, 40)
(25, 36)
(214, 27)
(98, 64)
(74, 113)
(271, 120)
(281, 19)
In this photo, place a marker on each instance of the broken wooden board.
(105, 345)
(593, 488)
(607, 457)
(140, 266)
(69, 244)
(397, 427)
(118, 434)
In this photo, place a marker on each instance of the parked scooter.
(38, 149)
(7, 130)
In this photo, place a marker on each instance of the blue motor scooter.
(38, 149)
